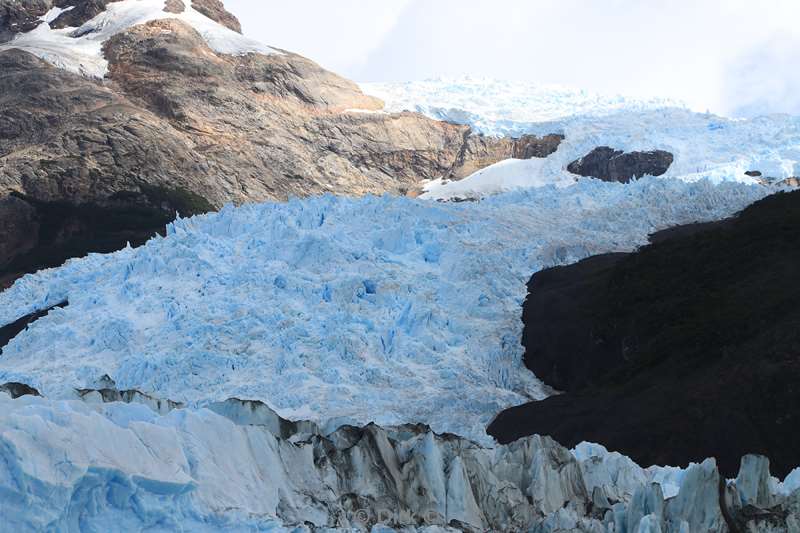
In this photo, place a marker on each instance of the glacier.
(705, 146)
(336, 310)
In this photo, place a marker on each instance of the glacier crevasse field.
(337, 310)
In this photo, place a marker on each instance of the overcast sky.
(736, 57)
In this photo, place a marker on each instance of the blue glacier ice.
(336, 310)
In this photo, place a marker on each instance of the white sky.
(736, 57)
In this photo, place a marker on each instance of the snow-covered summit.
(80, 50)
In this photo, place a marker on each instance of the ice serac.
(75, 466)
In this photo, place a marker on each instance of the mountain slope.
(172, 99)
(685, 349)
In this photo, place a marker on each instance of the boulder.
(18, 390)
(608, 164)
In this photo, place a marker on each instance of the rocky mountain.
(685, 349)
(173, 116)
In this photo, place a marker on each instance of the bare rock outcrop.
(665, 339)
(174, 6)
(608, 164)
(480, 152)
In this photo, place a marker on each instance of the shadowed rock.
(686, 349)
(9, 331)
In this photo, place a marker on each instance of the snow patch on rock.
(80, 50)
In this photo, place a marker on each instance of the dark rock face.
(53, 231)
(82, 11)
(753, 173)
(20, 16)
(687, 349)
(20, 226)
(8, 332)
(608, 164)
(530, 146)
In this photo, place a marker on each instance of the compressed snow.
(81, 50)
(333, 309)
(704, 145)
